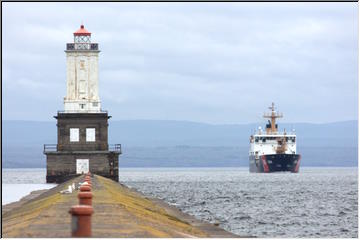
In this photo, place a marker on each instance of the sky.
(219, 63)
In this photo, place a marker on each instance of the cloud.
(208, 62)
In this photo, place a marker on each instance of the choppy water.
(317, 202)
(23, 175)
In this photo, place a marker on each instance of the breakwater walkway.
(118, 212)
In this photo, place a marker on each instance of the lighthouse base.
(62, 166)
(82, 147)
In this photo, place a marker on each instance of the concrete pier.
(118, 212)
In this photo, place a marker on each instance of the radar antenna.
(272, 127)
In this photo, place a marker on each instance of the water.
(17, 183)
(23, 175)
(14, 192)
(317, 202)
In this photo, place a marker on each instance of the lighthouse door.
(82, 166)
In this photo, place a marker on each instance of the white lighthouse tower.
(82, 74)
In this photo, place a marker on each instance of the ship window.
(74, 134)
(257, 139)
(90, 134)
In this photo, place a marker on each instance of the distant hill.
(157, 143)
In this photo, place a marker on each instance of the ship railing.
(256, 132)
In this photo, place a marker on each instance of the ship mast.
(272, 128)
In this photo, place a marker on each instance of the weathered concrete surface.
(118, 212)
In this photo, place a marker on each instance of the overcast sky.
(206, 62)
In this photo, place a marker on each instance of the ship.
(272, 150)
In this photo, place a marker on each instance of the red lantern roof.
(82, 31)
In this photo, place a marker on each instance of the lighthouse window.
(74, 134)
(90, 134)
(82, 64)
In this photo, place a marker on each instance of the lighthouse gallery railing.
(82, 46)
(53, 148)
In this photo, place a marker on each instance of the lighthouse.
(82, 127)
(82, 74)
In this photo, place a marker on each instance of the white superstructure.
(82, 74)
(268, 144)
